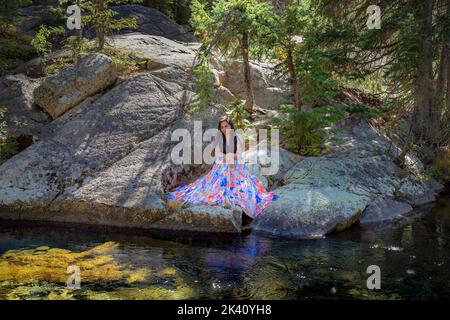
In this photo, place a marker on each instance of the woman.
(229, 182)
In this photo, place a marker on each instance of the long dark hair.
(230, 122)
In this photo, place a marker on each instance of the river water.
(413, 254)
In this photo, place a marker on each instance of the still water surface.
(413, 254)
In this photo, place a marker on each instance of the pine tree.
(412, 41)
(241, 23)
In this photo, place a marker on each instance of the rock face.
(148, 20)
(33, 17)
(310, 212)
(153, 22)
(171, 60)
(384, 209)
(160, 51)
(90, 75)
(89, 138)
(22, 116)
(268, 91)
(325, 194)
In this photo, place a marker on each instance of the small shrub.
(44, 38)
(362, 111)
(239, 114)
(302, 132)
(15, 47)
(203, 86)
(127, 61)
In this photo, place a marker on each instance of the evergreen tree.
(241, 23)
(409, 53)
(98, 14)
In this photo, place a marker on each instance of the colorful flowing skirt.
(228, 186)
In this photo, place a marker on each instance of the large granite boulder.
(320, 195)
(259, 161)
(303, 211)
(268, 91)
(148, 20)
(91, 74)
(384, 209)
(167, 59)
(160, 52)
(415, 192)
(153, 22)
(173, 61)
(89, 138)
(33, 17)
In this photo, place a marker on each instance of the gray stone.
(415, 192)
(384, 209)
(32, 17)
(204, 218)
(90, 138)
(153, 22)
(61, 92)
(319, 195)
(260, 158)
(267, 91)
(108, 161)
(302, 211)
(160, 52)
(22, 116)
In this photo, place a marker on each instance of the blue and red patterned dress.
(226, 185)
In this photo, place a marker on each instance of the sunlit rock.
(91, 74)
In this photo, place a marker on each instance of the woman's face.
(225, 127)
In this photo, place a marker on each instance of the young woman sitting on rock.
(229, 182)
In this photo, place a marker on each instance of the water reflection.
(412, 253)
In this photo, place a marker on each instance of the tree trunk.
(101, 30)
(447, 45)
(249, 102)
(442, 89)
(443, 83)
(293, 81)
(424, 105)
(448, 81)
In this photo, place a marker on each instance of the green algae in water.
(41, 273)
(412, 254)
(50, 264)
